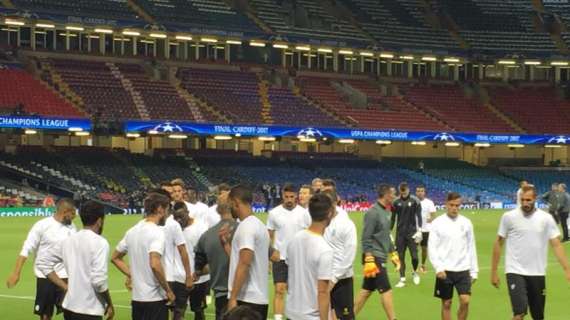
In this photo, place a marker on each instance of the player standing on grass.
(341, 236)
(283, 222)
(249, 259)
(376, 248)
(428, 214)
(527, 231)
(85, 256)
(144, 243)
(407, 211)
(453, 255)
(44, 234)
(213, 216)
(309, 258)
(198, 209)
(305, 193)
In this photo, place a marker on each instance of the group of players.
(182, 250)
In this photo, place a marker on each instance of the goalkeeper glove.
(395, 258)
(370, 267)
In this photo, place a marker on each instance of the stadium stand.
(108, 9)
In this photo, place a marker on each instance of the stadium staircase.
(140, 12)
(58, 85)
(346, 121)
(190, 102)
(486, 100)
(128, 86)
(7, 4)
(263, 90)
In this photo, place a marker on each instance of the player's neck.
(245, 214)
(383, 202)
(317, 227)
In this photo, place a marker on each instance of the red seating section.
(19, 87)
(448, 103)
(537, 110)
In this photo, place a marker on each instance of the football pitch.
(411, 302)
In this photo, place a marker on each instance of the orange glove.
(370, 267)
(395, 258)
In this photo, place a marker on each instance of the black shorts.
(48, 297)
(380, 282)
(69, 315)
(425, 238)
(461, 281)
(221, 306)
(198, 296)
(280, 272)
(181, 293)
(527, 292)
(342, 299)
(260, 309)
(156, 310)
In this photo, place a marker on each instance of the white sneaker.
(400, 284)
(416, 278)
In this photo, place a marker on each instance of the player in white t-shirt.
(527, 232)
(44, 234)
(213, 216)
(428, 215)
(249, 260)
(283, 222)
(198, 210)
(305, 193)
(144, 243)
(309, 258)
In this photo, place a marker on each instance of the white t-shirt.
(341, 237)
(142, 239)
(527, 240)
(251, 234)
(286, 223)
(85, 255)
(192, 234)
(309, 258)
(198, 211)
(428, 207)
(213, 216)
(44, 234)
(173, 237)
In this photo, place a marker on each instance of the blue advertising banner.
(35, 122)
(203, 129)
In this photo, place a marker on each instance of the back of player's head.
(555, 185)
(242, 313)
(403, 187)
(90, 212)
(331, 194)
(384, 190)
(65, 204)
(178, 183)
(223, 187)
(179, 207)
(529, 187)
(224, 208)
(289, 187)
(453, 196)
(242, 194)
(329, 183)
(155, 200)
(320, 206)
(161, 192)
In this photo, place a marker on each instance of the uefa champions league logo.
(167, 127)
(310, 133)
(444, 136)
(558, 140)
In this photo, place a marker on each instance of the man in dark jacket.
(554, 198)
(407, 212)
(564, 211)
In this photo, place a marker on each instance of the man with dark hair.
(428, 215)
(283, 222)
(305, 193)
(198, 210)
(145, 245)
(376, 248)
(43, 235)
(222, 192)
(249, 260)
(527, 231)
(564, 211)
(317, 185)
(85, 256)
(407, 212)
(554, 199)
(309, 258)
(210, 252)
(341, 236)
(453, 255)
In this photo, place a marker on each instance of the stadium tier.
(107, 9)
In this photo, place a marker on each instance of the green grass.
(411, 302)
